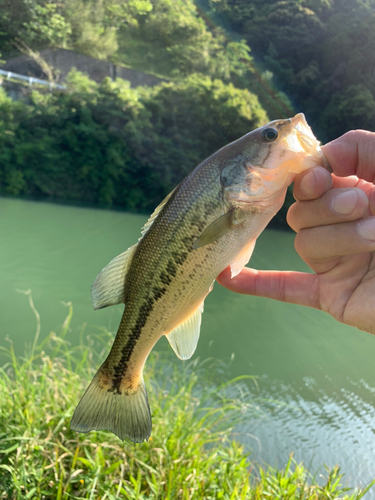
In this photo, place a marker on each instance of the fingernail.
(344, 203)
(366, 229)
(308, 183)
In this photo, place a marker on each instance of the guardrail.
(30, 79)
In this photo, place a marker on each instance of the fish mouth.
(303, 140)
(305, 135)
(268, 184)
(302, 135)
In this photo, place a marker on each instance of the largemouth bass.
(211, 220)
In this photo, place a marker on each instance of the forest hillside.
(230, 66)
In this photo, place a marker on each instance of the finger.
(335, 206)
(354, 181)
(347, 182)
(352, 154)
(312, 183)
(321, 244)
(286, 286)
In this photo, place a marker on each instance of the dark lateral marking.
(158, 292)
(198, 222)
(165, 278)
(171, 268)
(210, 206)
(180, 257)
(127, 350)
(188, 241)
(144, 312)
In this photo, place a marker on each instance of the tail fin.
(126, 415)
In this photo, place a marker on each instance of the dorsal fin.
(108, 287)
(155, 213)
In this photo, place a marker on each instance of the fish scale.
(210, 221)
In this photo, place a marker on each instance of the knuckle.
(357, 136)
(306, 214)
(361, 144)
(351, 135)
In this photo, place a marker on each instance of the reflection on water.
(318, 427)
(316, 377)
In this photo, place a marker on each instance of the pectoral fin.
(184, 338)
(220, 227)
(108, 287)
(242, 259)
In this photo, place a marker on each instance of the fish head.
(269, 159)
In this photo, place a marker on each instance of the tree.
(114, 145)
(192, 119)
(172, 39)
(36, 22)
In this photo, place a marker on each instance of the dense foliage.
(108, 144)
(321, 53)
(166, 37)
(111, 145)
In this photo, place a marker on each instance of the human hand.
(335, 225)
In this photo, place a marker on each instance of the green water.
(316, 386)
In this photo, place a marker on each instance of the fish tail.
(126, 414)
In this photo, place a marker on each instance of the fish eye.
(270, 134)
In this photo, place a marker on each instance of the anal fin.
(184, 338)
(242, 259)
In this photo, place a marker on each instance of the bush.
(112, 145)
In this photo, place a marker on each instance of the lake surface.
(316, 385)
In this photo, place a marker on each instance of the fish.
(210, 221)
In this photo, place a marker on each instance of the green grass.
(190, 455)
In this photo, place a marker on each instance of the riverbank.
(191, 453)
